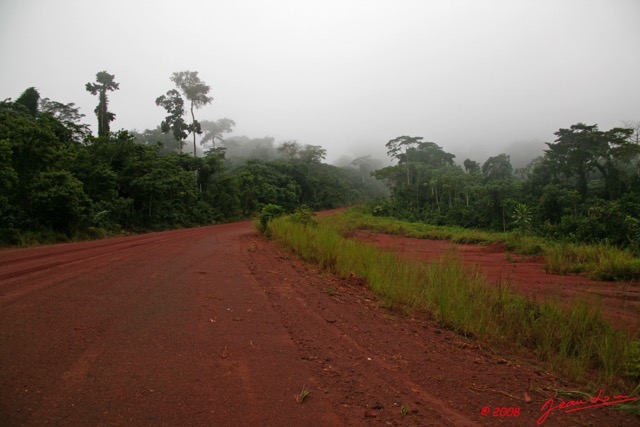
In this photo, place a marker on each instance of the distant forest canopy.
(584, 188)
(59, 181)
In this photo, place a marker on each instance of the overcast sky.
(348, 75)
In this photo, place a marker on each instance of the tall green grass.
(600, 262)
(355, 219)
(573, 336)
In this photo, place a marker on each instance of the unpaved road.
(216, 327)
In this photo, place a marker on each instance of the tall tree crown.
(104, 82)
(194, 89)
(196, 92)
(29, 99)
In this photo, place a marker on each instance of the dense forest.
(584, 188)
(58, 181)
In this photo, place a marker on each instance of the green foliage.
(524, 244)
(105, 82)
(292, 151)
(632, 360)
(8, 184)
(69, 116)
(632, 227)
(29, 100)
(166, 142)
(472, 167)
(261, 183)
(497, 168)
(601, 261)
(123, 182)
(303, 215)
(611, 222)
(174, 122)
(268, 213)
(522, 219)
(166, 194)
(583, 190)
(582, 149)
(360, 218)
(57, 181)
(58, 201)
(196, 92)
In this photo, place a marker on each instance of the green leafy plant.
(522, 217)
(303, 215)
(268, 213)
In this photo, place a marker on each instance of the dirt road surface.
(216, 327)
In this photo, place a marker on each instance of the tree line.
(584, 188)
(59, 181)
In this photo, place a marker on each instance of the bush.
(58, 200)
(268, 213)
(303, 215)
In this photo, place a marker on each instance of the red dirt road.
(215, 327)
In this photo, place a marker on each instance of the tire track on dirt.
(15, 263)
(44, 267)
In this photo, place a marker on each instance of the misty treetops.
(196, 92)
(59, 181)
(585, 187)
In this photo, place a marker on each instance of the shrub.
(268, 213)
(303, 215)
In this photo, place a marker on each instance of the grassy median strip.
(599, 261)
(573, 337)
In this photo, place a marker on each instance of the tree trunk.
(193, 123)
(504, 221)
(102, 114)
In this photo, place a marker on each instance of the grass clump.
(573, 337)
(303, 215)
(524, 244)
(632, 361)
(600, 262)
(354, 219)
(302, 396)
